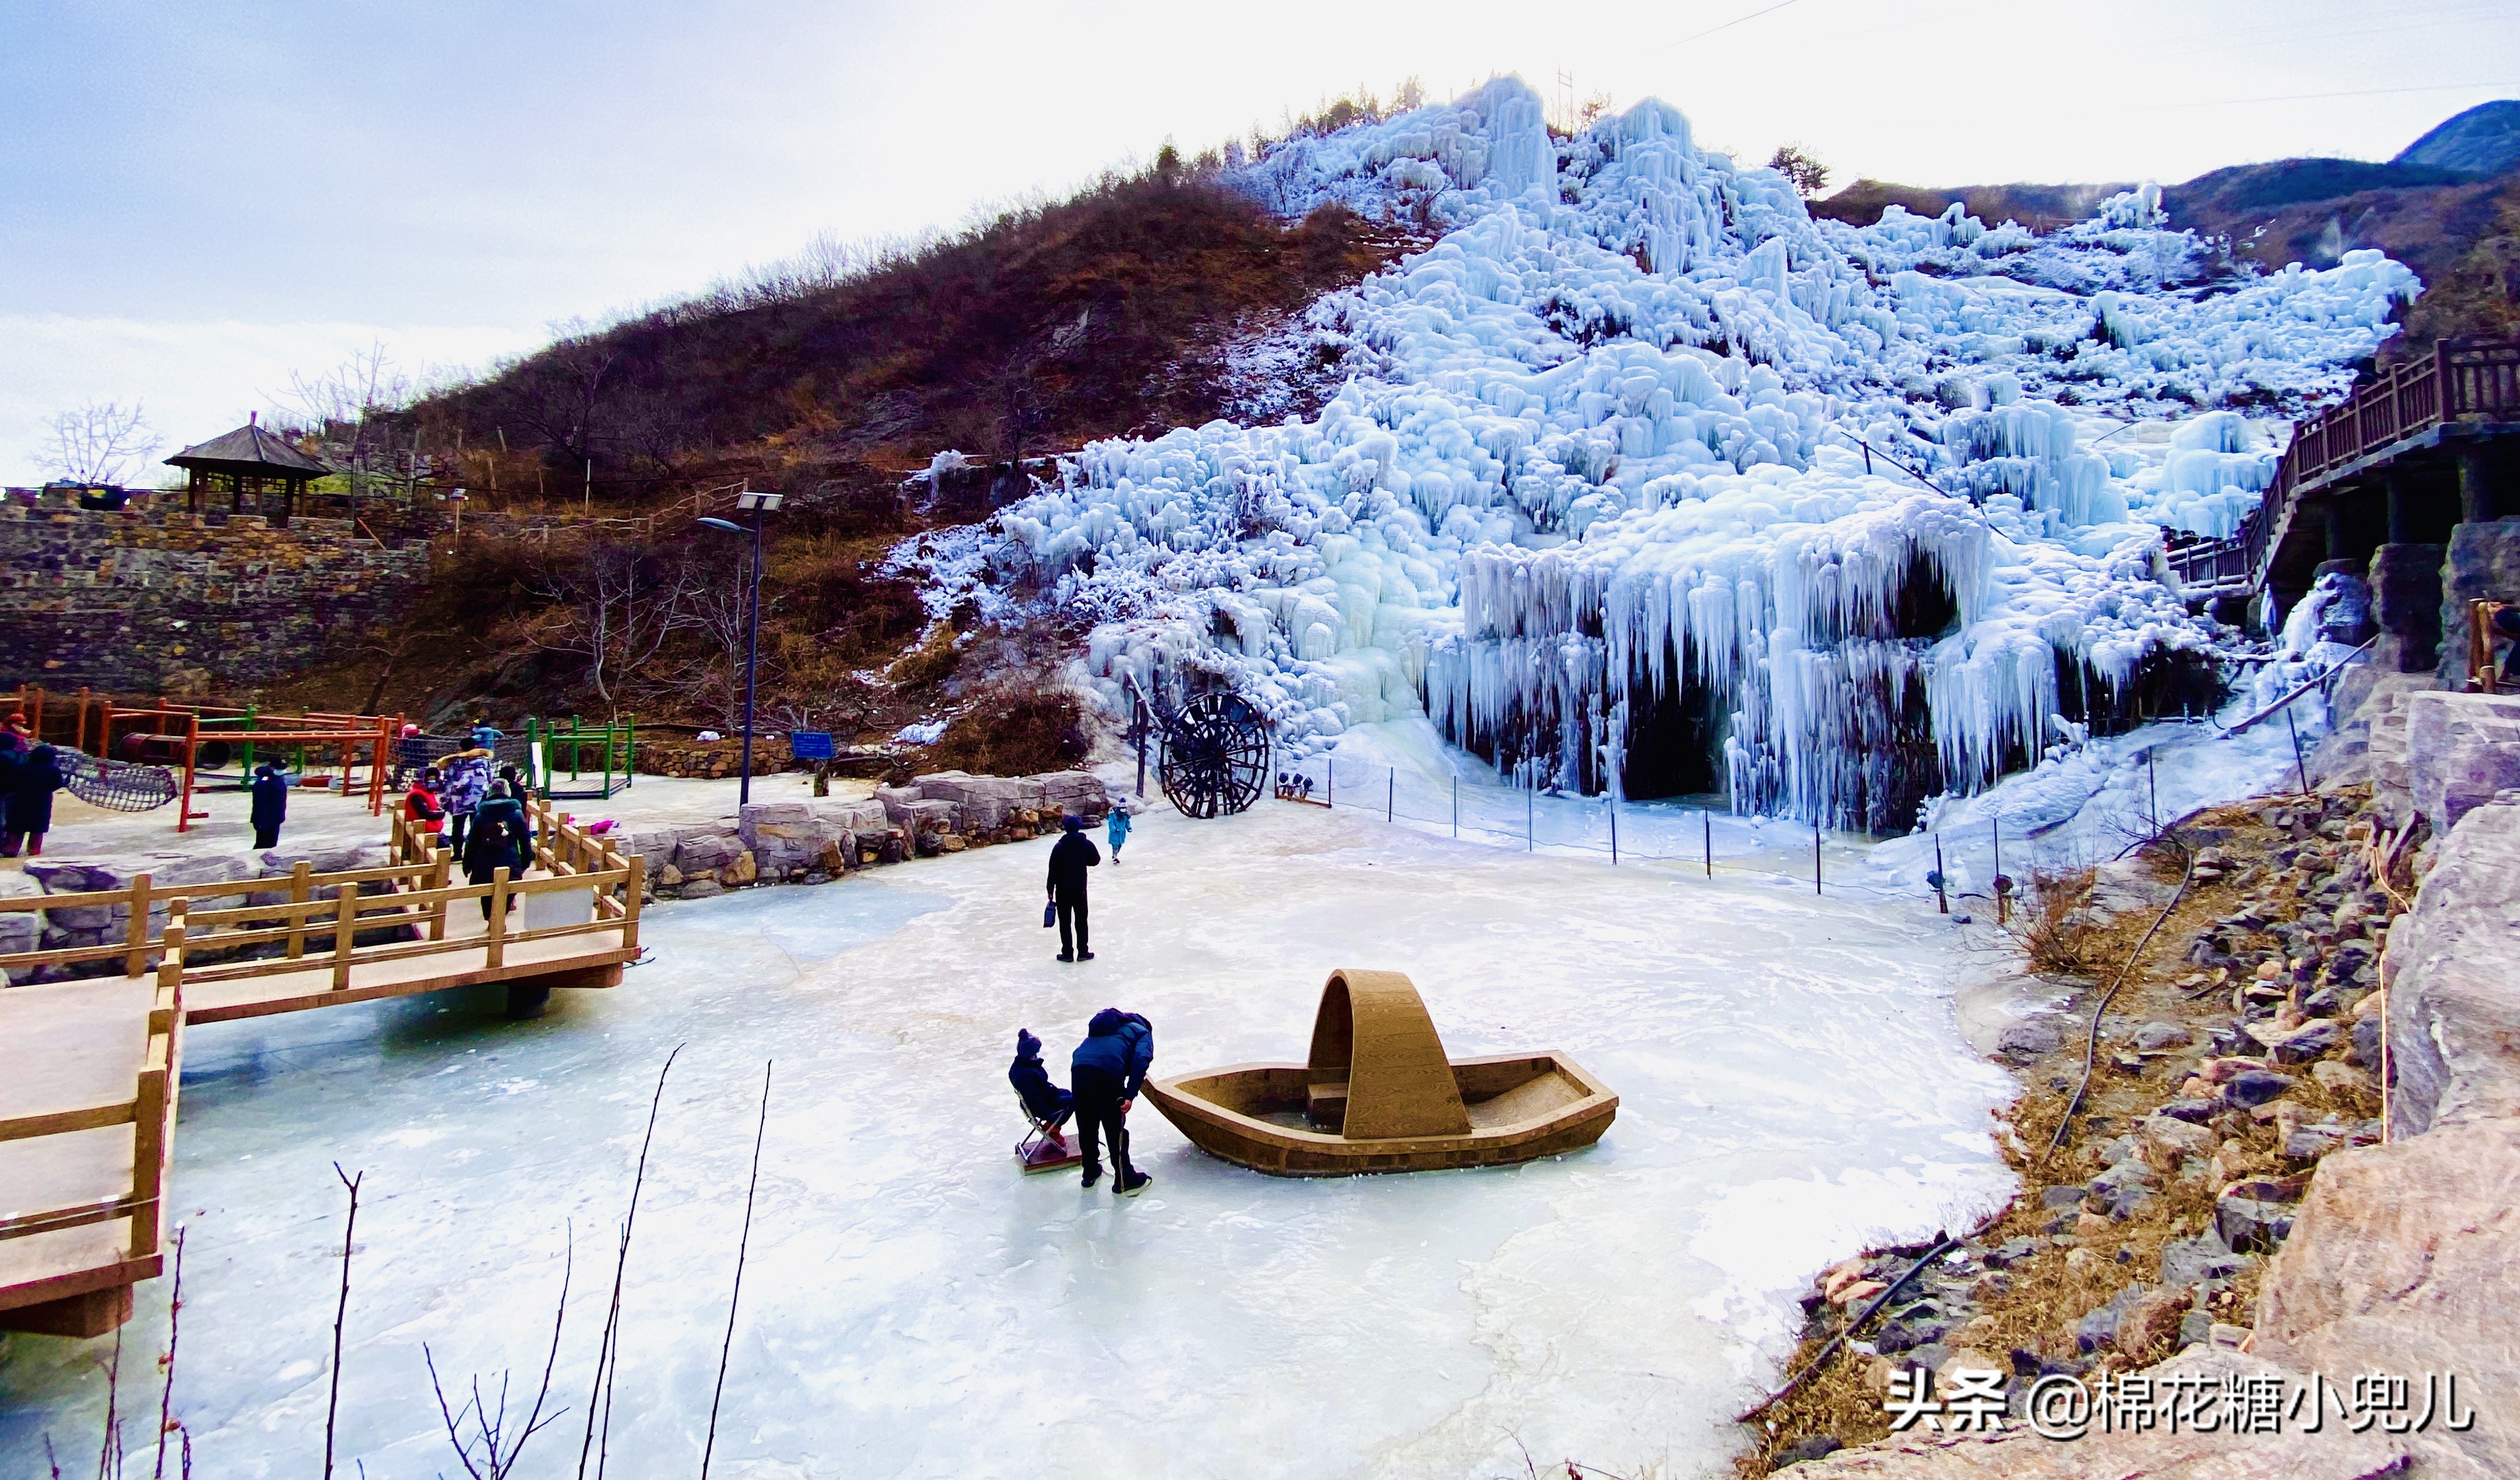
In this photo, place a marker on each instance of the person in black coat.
(1109, 1069)
(270, 804)
(498, 841)
(30, 802)
(1047, 1103)
(1073, 854)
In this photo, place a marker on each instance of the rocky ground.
(2239, 1050)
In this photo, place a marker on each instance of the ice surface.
(1636, 425)
(1791, 1087)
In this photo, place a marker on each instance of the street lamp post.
(757, 504)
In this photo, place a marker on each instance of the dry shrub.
(1016, 725)
(2053, 925)
(930, 663)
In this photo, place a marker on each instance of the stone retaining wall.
(157, 600)
(820, 838)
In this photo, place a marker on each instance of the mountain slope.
(2485, 140)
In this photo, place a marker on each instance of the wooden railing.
(317, 919)
(150, 1112)
(2464, 379)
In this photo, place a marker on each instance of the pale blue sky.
(195, 199)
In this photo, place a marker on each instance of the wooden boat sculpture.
(1378, 1095)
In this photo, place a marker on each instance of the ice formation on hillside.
(1657, 482)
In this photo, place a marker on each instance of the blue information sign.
(811, 744)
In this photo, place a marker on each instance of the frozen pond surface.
(1791, 1086)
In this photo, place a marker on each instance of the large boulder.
(20, 929)
(2401, 1260)
(987, 803)
(2454, 980)
(1074, 794)
(2483, 561)
(2462, 749)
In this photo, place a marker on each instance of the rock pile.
(817, 839)
(2281, 1228)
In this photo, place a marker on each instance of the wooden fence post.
(498, 923)
(138, 961)
(440, 866)
(636, 889)
(345, 930)
(299, 893)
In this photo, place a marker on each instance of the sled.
(1043, 1149)
(1378, 1094)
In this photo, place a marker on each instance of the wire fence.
(1559, 823)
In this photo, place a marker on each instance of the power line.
(2358, 92)
(1736, 21)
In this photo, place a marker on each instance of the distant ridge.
(2485, 140)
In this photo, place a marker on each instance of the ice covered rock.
(1643, 465)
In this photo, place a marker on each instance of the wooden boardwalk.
(89, 1066)
(2400, 460)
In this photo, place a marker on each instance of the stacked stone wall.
(152, 601)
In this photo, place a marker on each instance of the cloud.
(197, 379)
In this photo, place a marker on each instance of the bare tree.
(616, 606)
(1795, 163)
(100, 442)
(351, 406)
(715, 609)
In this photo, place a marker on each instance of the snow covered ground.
(1792, 1088)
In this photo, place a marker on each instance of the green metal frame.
(615, 743)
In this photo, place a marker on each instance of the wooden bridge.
(2398, 461)
(89, 1065)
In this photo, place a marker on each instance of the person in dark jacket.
(497, 842)
(1107, 1069)
(30, 802)
(1073, 854)
(270, 804)
(1047, 1103)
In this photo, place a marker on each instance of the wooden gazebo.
(257, 471)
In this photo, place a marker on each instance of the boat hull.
(1270, 1117)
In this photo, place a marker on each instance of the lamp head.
(728, 525)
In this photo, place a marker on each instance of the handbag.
(1048, 913)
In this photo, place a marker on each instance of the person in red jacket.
(420, 806)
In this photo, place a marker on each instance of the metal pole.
(751, 655)
(2003, 898)
(1530, 821)
(1457, 804)
(1942, 901)
(1138, 724)
(1614, 832)
(1814, 855)
(1706, 820)
(2152, 783)
(2298, 768)
(1391, 795)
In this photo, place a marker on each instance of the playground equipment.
(1377, 1094)
(184, 739)
(1215, 751)
(614, 745)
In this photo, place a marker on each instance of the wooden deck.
(87, 1113)
(89, 1067)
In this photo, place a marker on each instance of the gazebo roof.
(250, 451)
